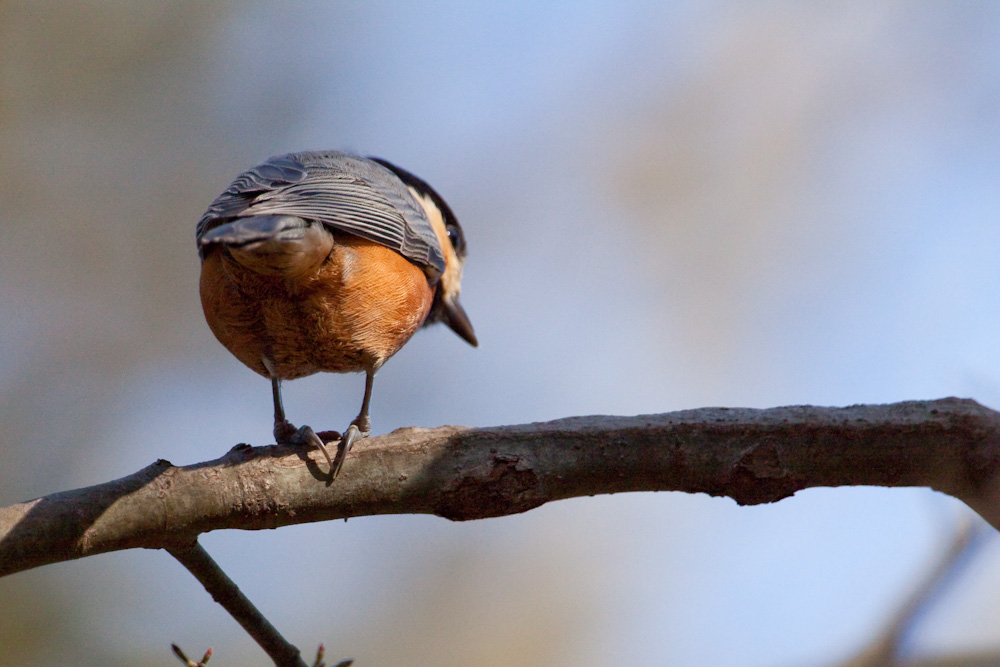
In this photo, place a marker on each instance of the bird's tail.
(273, 244)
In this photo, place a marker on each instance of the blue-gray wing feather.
(345, 192)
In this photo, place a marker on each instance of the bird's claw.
(352, 434)
(286, 434)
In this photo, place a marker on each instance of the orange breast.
(352, 313)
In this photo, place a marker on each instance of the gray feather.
(243, 231)
(344, 192)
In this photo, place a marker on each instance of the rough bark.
(752, 456)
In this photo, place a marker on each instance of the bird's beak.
(458, 321)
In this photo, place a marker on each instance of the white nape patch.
(349, 263)
(451, 279)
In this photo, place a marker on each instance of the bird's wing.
(345, 192)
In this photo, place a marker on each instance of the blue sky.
(668, 206)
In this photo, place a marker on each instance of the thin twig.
(883, 651)
(321, 652)
(188, 661)
(226, 593)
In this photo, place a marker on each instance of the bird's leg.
(281, 425)
(359, 428)
(286, 434)
(362, 422)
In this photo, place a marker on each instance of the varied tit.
(326, 261)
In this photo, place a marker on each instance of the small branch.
(227, 594)
(188, 662)
(884, 650)
(753, 456)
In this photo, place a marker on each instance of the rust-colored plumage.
(328, 262)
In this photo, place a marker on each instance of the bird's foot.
(328, 436)
(286, 434)
(352, 435)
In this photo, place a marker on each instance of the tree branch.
(753, 456)
(884, 650)
(226, 593)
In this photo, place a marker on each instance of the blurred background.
(669, 205)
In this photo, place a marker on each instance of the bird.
(327, 261)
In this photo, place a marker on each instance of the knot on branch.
(760, 477)
(505, 486)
